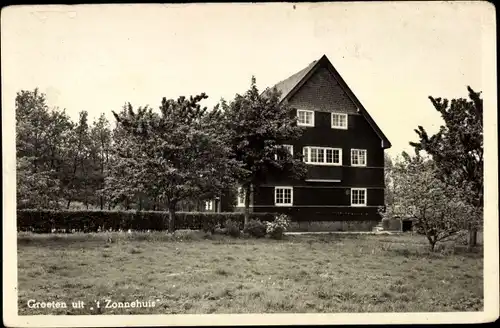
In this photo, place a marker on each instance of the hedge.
(96, 220)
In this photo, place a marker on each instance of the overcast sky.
(392, 55)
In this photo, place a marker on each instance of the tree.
(258, 125)
(42, 143)
(77, 178)
(100, 135)
(438, 209)
(457, 148)
(388, 179)
(176, 154)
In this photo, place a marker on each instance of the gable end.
(323, 62)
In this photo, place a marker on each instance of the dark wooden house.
(342, 146)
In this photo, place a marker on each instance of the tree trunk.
(69, 202)
(171, 219)
(247, 204)
(432, 241)
(433, 245)
(101, 202)
(472, 239)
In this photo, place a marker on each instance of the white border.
(291, 196)
(337, 127)
(308, 159)
(306, 111)
(366, 157)
(490, 313)
(366, 197)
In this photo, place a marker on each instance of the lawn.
(217, 274)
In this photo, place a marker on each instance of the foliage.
(388, 180)
(177, 155)
(438, 210)
(58, 161)
(258, 125)
(101, 137)
(233, 228)
(457, 148)
(277, 227)
(255, 228)
(96, 220)
(42, 148)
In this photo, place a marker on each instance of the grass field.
(216, 274)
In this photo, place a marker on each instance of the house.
(342, 146)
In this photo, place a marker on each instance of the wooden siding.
(318, 196)
(325, 214)
(330, 199)
(322, 92)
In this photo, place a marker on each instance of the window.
(289, 148)
(358, 197)
(339, 121)
(305, 117)
(209, 205)
(283, 196)
(358, 157)
(240, 200)
(322, 155)
(305, 154)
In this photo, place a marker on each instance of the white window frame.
(307, 157)
(305, 111)
(359, 151)
(276, 195)
(339, 126)
(238, 198)
(365, 198)
(209, 205)
(290, 150)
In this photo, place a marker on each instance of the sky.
(392, 55)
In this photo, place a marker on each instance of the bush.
(45, 221)
(256, 228)
(233, 228)
(276, 228)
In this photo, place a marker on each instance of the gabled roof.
(291, 85)
(288, 84)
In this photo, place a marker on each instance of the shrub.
(277, 227)
(46, 221)
(233, 228)
(256, 228)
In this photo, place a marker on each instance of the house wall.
(322, 92)
(330, 200)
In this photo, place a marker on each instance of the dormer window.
(339, 121)
(305, 117)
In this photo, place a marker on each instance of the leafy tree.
(120, 185)
(258, 125)
(178, 153)
(35, 189)
(438, 209)
(457, 148)
(77, 178)
(100, 135)
(388, 179)
(42, 144)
